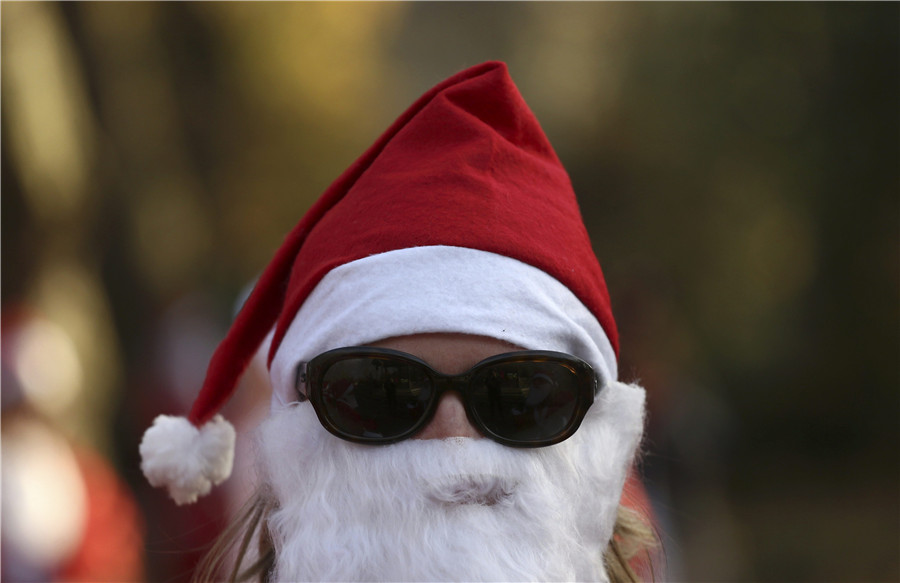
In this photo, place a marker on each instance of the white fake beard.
(450, 509)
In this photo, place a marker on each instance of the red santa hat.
(459, 218)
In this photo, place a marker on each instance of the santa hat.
(460, 218)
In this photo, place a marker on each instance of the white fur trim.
(186, 460)
(439, 289)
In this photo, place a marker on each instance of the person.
(443, 361)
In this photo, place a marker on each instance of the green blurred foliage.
(737, 166)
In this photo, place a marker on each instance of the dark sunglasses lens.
(375, 397)
(525, 401)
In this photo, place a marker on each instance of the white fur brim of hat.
(437, 289)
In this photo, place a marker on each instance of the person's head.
(443, 364)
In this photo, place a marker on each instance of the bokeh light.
(47, 366)
(44, 499)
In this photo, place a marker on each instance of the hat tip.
(186, 460)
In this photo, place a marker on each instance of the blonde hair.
(633, 542)
(632, 552)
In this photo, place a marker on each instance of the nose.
(449, 420)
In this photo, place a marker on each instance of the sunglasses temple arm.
(300, 380)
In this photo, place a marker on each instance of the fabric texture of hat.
(463, 204)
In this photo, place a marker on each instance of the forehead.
(448, 353)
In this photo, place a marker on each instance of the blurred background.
(737, 167)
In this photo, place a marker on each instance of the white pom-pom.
(186, 460)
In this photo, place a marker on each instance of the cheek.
(287, 442)
(604, 449)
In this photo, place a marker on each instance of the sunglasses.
(379, 396)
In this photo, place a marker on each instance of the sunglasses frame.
(310, 375)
